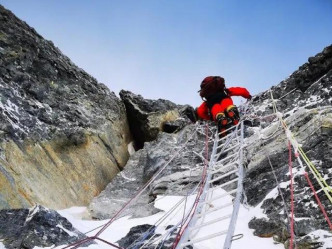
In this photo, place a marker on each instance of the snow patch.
(32, 211)
(323, 236)
(119, 228)
(70, 233)
(131, 149)
(127, 178)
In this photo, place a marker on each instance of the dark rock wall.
(310, 86)
(61, 131)
(305, 100)
(146, 117)
(39, 226)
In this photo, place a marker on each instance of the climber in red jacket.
(218, 105)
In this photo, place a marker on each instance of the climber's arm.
(239, 91)
(203, 112)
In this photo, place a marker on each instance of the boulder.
(38, 226)
(149, 117)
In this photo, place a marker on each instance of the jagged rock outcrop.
(307, 114)
(148, 117)
(39, 226)
(63, 135)
(134, 234)
(309, 87)
(181, 151)
(305, 100)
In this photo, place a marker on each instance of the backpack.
(211, 85)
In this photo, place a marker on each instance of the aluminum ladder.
(225, 171)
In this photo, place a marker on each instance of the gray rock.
(137, 236)
(40, 88)
(60, 130)
(310, 86)
(264, 228)
(39, 226)
(304, 99)
(148, 117)
(182, 173)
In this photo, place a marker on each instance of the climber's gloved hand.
(249, 97)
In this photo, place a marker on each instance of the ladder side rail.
(237, 201)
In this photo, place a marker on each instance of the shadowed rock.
(148, 117)
(39, 226)
(181, 174)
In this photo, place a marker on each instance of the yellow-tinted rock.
(56, 173)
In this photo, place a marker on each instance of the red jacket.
(204, 112)
(239, 91)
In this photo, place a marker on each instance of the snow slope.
(122, 226)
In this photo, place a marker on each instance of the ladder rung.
(203, 238)
(230, 128)
(218, 147)
(223, 167)
(211, 222)
(231, 148)
(224, 195)
(223, 138)
(226, 158)
(222, 185)
(216, 209)
(227, 136)
(223, 176)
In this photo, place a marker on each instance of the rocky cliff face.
(181, 175)
(305, 101)
(63, 135)
(151, 118)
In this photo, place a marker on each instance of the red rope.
(292, 195)
(104, 227)
(138, 193)
(108, 243)
(318, 200)
(77, 244)
(200, 191)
